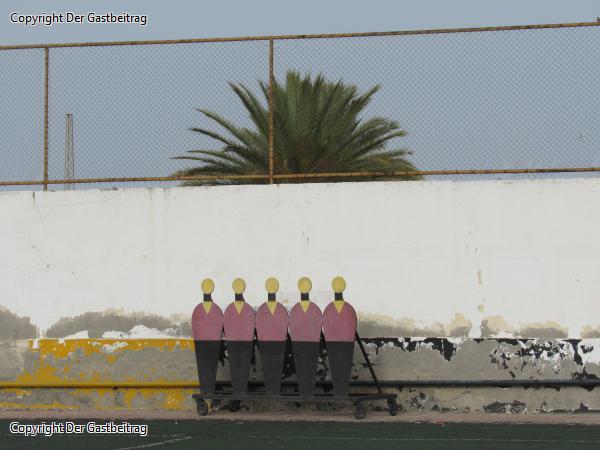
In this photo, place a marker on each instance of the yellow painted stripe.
(101, 385)
(176, 399)
(47, 352)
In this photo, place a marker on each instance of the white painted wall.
(528, 251)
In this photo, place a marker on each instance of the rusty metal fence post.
(271, 112)
(46, 87)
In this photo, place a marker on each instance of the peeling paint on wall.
(97, 399)
(12, 359)
(501, 400)
(487, 359)
(168, 361)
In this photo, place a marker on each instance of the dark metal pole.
(523, 383)
(368, 361)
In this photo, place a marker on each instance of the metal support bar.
(134, 179)
(308, 176)
(585, 383)
(308, 36)
(403, 173)
(351, 398)
(46, 89)
(589, 383)
(271, 112)
(368, 361)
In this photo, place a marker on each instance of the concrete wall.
(512, 259)
(452, 280)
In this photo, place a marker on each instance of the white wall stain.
(111, 348)
(589, 349)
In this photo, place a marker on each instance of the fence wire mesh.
(21, 115)
(513, 101)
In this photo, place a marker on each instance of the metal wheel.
(234, 405)
(393, 407)
(201, 407)
(360, 412)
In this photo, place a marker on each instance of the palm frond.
(318, 127)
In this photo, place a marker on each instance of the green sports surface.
(214, 435)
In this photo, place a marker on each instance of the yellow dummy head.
(239, 286)
(338, 284)
(272, 285)
(208, 286)
(304, 285)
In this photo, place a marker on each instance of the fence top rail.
(306, 36)
(285, 176)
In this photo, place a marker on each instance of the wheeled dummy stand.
(342, 361)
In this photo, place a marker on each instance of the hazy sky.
(491, 100)
(190, 19)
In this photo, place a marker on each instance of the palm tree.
(317, 129)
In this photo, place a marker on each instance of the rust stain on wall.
(97, 323)
(544, 330)
(589, 332)
(493, 326)
(382, 325)
(458, 326)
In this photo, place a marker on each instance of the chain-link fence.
(503, 102)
